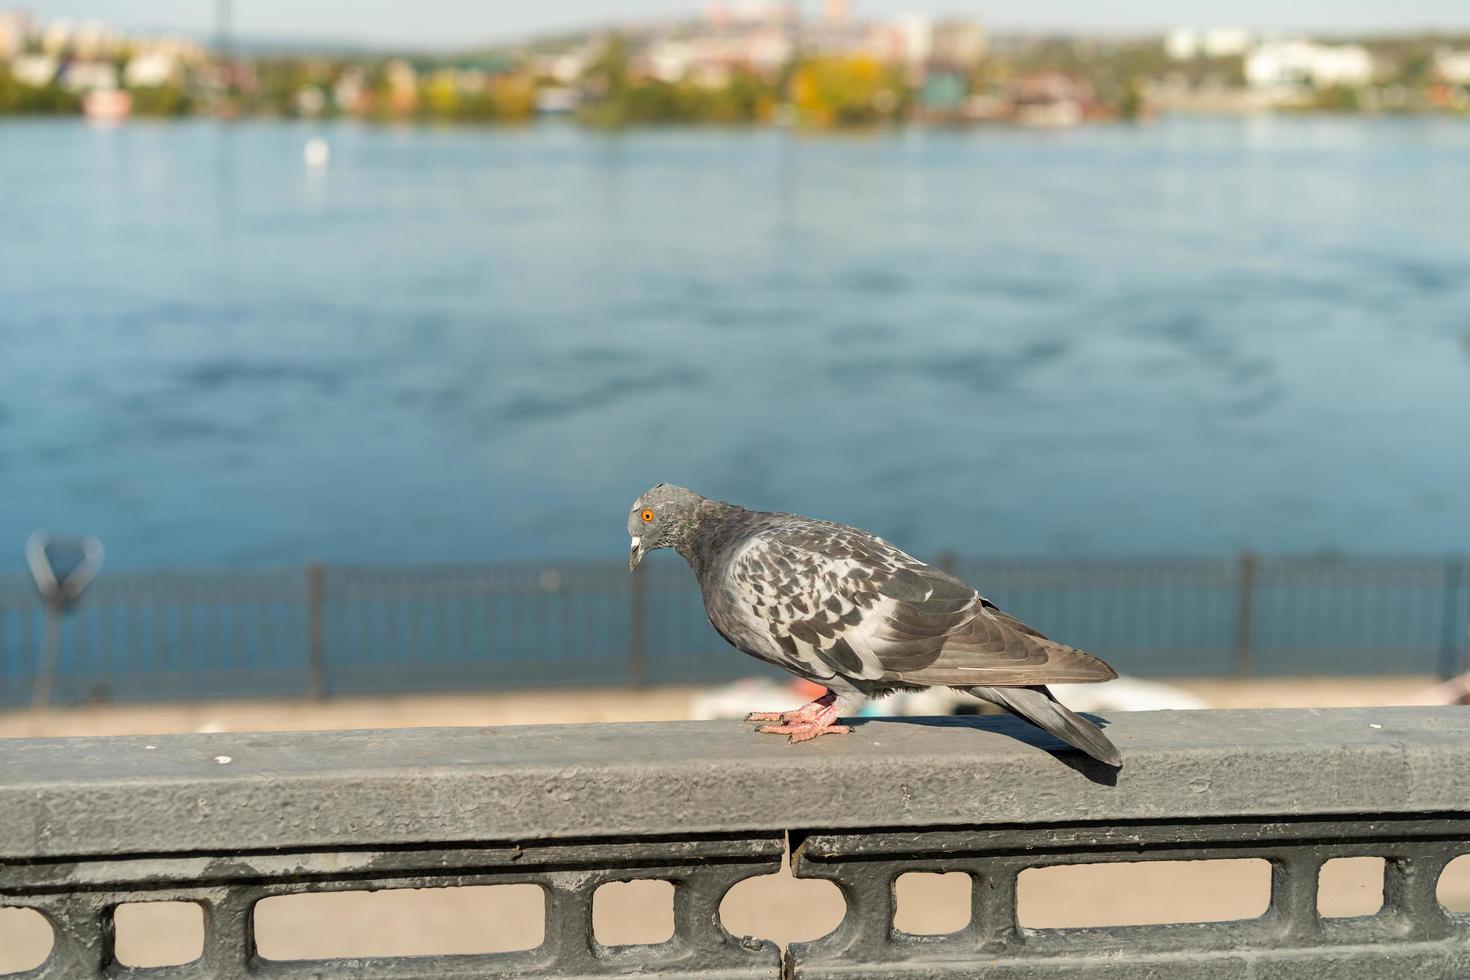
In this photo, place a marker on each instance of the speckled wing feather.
(834, 600)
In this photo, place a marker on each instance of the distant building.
(348, 91)
(943, 97)
(724, 13)
(957, 42)
(56, 37)
(915, 34)
(556, 101)
(403, 85)
(15, 30)
(1227, 42)
(1452, 66)
(563, 67)
(152, 69)
(35, 70)
(90, 76)
(1298, 64)
(710, 59)
(1050, 99)
(1188, 43)
(1182, 43)
(107, 105)
(94, 40)
(310, 100)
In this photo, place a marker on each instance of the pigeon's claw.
(804, 732)
(767, 716)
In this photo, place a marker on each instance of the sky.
(458, 23)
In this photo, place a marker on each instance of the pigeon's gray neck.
(712, 525)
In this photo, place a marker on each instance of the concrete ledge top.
(173, 794)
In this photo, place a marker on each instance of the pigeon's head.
(659, 518)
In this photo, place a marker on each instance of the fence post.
(1245, 614)
(47, 661)
(638, 630)
(1452, 660)
(316, 654)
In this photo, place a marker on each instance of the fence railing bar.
(1149, 616)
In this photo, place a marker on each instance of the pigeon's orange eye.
(647, 516)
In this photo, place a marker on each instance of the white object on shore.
(317, 153)
(736, 699)
(739, 698)
(1127, 694)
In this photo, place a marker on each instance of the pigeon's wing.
(998, 650)
(838, 601)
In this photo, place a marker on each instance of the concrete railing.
(225, 821)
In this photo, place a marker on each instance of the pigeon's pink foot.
(808, 722)
(803, 715)
(804, 733)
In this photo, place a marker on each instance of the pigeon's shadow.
(1021, 731)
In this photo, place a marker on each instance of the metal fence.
(339, 630)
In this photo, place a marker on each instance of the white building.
(709, 59)
(1226, 42)
(1188, 43)
(917, 37)
(1453, 66)
(90, 76)
(151, 69)
(564, 67)
(1293, 64)
(722, 13)
(347, 92)
(35, 70)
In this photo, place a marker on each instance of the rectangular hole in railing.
(401, 922)
(929, 904)
(151, 934)
(1350, 887)
(1453, 888)
(633, 913)
(25, 940)
(1084, 895)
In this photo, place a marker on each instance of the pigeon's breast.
(783, 605)
(731, 613)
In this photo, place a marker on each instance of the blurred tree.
(840, 91)
(161, 100)
(743, 99)
(1133, 105)
(19, 98)
(605, 82)
(441, 99)
(1338, 98)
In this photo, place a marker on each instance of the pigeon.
(847, 610)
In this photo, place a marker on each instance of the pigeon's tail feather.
(1037, 706)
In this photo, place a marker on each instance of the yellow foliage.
(441, 95)
(843, 91)
(515, 98)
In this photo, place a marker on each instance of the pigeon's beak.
(636, 554)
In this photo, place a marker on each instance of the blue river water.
(462, 345)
